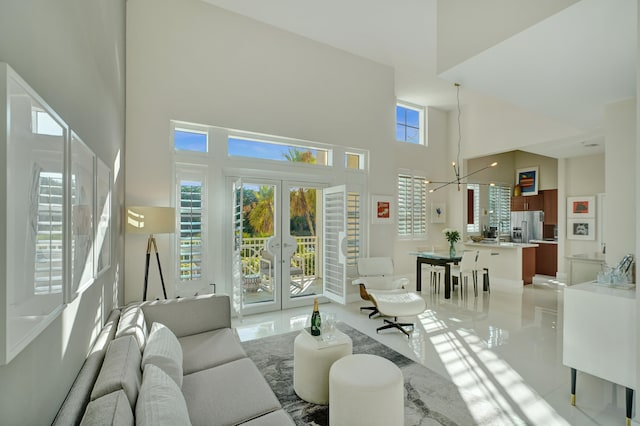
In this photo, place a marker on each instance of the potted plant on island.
(453, 236)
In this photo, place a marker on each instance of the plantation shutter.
(191, 230)
(236, 260)
(500, 208)
(334, 243)
(412, 206)
(353, 228)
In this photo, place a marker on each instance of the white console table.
(599, 335)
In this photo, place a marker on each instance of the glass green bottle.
(315, 319)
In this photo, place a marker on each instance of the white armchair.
(376, 273)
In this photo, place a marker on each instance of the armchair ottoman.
(403, 304)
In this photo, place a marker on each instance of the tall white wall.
(620, 167)
(72, 53)
(190, 61)
(581, 176)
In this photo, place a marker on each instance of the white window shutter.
(334, 247)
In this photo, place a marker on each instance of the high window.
(499, 208)
(410, 123)
(277, 151)
(412, 206)
(190, 140)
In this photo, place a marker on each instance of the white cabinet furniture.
(599, 335)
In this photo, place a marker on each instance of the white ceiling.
(566, 67)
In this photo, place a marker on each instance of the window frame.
(422, 122)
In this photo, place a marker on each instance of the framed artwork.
(581, 229)
(581, 207)
(82, 214)
(103, 217)
(381, 209)
(438, 213)
(34, 246)
(528, 178)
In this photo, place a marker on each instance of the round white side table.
(312, 359)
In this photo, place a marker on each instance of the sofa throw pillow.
(132, 324)
(164, 351)
(120, 370)
(108, 410)
(160, 401)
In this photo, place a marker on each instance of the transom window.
(252, 148)
(410, 125)
(190, 140)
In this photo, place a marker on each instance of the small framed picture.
(527, 178)
(438, 213)
(581, 229)
(381, 209)
(581, 207)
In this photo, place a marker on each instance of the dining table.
(435, 258)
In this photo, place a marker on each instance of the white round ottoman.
(312, 361)
(365, 390)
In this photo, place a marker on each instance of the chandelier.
(459, 180)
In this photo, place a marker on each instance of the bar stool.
(482, 267)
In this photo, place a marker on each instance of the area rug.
(429, 399)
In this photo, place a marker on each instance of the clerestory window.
(410, 124)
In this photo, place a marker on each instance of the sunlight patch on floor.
(494, 392)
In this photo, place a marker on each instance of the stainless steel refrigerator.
(526, 226)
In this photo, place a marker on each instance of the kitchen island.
(514, 265)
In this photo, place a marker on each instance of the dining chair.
(464, 270)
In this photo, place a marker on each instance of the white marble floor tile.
(503, 349)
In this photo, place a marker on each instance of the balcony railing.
(306, 252)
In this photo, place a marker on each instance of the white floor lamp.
(150, 221)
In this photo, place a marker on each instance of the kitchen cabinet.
(547, 258)
(528, 264)
(550, 203)
(527, 203)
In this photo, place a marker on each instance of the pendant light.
(459, 180)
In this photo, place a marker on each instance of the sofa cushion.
(120, 370)
(160, 401)
(132, 324)
(163, 350)
(76, 401)
(110, 409)
(206, 350)
(274, 418)
(228, 394)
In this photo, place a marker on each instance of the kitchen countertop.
(592, 257)
(501, 245)
(544, 241)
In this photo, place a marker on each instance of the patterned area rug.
(429, 399)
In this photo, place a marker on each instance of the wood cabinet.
(527, 203)
(547, 259)
(550, 200)
(528, 264)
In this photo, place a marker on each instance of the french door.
(277, 260)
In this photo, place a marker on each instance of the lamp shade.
(151, 220)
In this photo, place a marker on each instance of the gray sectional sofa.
(171, 362)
